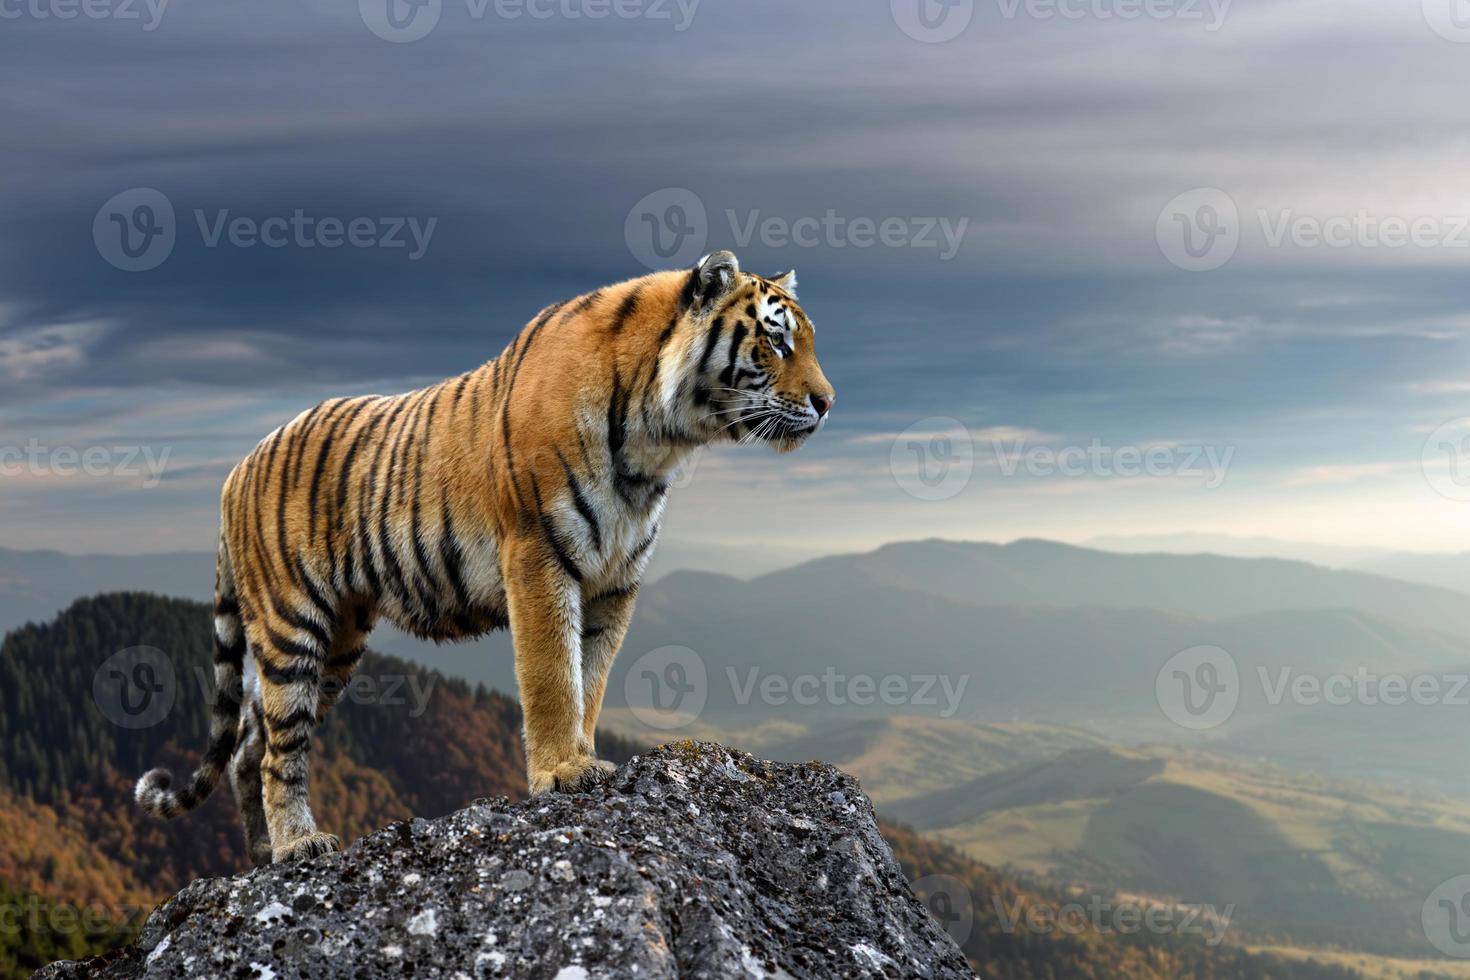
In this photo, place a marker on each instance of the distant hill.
(1332, 863)
(1045, 573)
(1237, 546)
(1089, 666)
(1445, 571)
(914, 758)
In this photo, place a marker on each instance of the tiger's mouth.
(786, 434)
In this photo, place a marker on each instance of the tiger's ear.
(712, 278)
(787, 281)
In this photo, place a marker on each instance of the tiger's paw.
(305, 848)
(573, 776)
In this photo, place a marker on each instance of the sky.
(1079, 267)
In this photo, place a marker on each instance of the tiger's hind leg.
(245, 776)
(293, 645)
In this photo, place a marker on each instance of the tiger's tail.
(154, 793)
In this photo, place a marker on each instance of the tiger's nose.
(823, 404)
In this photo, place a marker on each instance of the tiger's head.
(757, 373)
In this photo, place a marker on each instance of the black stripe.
(643, 546)
(280, 777)
(291, 648)
(563, 559)
(727, 377)
(579, 501)
(584, 304)
(343, 661)
(658, 353)
(288, 675)
(342, 424)
(453, 558)
(617, 432)
(297, 621)
(711, 338)
(297, 449)
(690, 292)
(300, 716)
(626, 592)
(318, 599)
(220, 751)
(290, 746)
(226, 703)
(625, 310)
(232, 654)
(459, 388)
(510, 384)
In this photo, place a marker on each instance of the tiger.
(527, 494)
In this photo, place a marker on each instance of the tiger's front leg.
(545, 603)
(605, 622)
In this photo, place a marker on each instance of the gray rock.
(692, 861)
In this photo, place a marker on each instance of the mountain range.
(74, 849)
